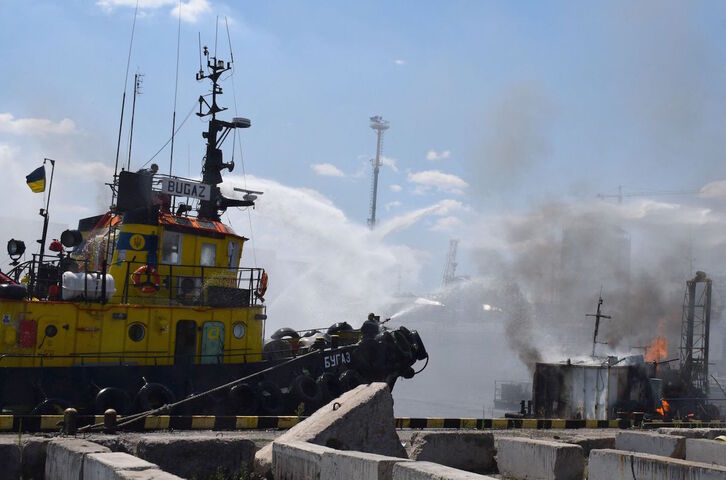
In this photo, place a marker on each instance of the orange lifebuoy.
(146, 279)
(262, 288)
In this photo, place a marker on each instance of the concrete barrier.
(210, 452)
(591, 442)
(620, 465)
(673, 446)
(338, 464)
(65, 458)
(432, 471)
(33, 456)
(706, 451)
(470, 451)
(360, 419)
(11, 459)
(539, 459)
(117, 466)
(709, 433)
(297, 460)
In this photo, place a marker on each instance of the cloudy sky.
(497, 109)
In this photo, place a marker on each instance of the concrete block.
(11, 460)
(360, 419)
(337, 464)
(470, 451)
(673, 446)
(210, 452)
(592, 442)
(297, 460)
(539, 459)
(620, 465)
(34, 455)
(151, 474)
(65, 457)
(709, 433)
(107, 466)
(432, 471)
(706, 451)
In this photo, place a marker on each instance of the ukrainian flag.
(36, 179)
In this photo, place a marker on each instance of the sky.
(507, 120)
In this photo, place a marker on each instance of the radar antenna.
(213, 163)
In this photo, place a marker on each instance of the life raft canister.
(146, 279)
(262, 288)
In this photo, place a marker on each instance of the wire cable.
(239, 139)
(177, 131)
(176, 89)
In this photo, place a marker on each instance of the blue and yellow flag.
(36, 179)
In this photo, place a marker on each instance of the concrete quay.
(354, 438)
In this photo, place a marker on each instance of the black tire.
(285, 332)
(350, 379)
(404, 346)
(153, 395)
(339, 327)
(51, 406)
(271, 400)
(307, 391)
(13, 291)
(421, 352)
(366, 356)
(277, 349)
(111, 397)
(389, 348)
(244, 399)
(329, 385)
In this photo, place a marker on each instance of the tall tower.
(380, 126)
(450, 266)
(695, 328)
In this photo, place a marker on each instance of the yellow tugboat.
(147, 304)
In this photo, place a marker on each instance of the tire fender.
(111, 397)
(154, 395)
(271, 401)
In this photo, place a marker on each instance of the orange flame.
(664, 408)
(657, 350)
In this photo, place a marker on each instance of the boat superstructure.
(147, 303)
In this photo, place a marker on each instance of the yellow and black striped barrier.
(50, 423)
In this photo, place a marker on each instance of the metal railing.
(190, 285)
(160, 284)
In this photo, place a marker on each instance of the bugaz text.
(337, 359)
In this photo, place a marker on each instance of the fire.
(664, 408)
(657, 350)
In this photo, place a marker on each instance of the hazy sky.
(495, 108)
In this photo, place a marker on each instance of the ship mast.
(213, 163)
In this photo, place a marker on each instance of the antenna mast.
(597, 316)
(138, 80)
(380, 126)
(213, 164)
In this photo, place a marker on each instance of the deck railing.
(145, 284)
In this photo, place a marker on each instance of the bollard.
(70, 421)
(109, 420)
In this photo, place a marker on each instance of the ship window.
(209, 255)
(137, 332)
(51, 331)
(232, 254)
(238, 330)
(206, 224)
(171, 248)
